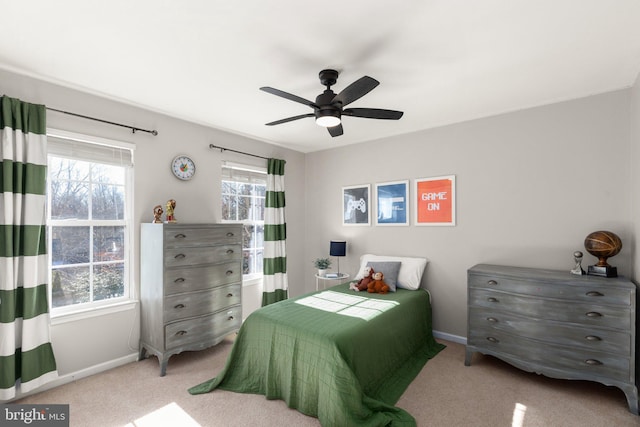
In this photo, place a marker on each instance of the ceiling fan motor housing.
(328, 77)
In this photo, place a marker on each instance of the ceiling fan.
(329, 107)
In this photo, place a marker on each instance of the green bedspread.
(345, 357)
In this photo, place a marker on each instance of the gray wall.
(530, 186)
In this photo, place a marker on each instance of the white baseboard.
(74, 376)
(450, 337)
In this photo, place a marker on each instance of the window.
(88, 221)
(243, 193)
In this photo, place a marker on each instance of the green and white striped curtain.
(26, 355)
(275, 234)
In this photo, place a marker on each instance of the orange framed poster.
(435, 201)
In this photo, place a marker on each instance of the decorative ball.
(602, 245)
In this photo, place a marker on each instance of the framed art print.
(392, 203)
(435, 201)
(356, 209)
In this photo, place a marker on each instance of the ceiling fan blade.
(336, 130)
(289, 119)
(289, 96)
(356, 90)
(373, 113)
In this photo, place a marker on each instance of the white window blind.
(94, 150)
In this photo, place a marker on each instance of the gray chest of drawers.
(556, 324)
(191, 287)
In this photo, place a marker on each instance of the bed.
(344, 357)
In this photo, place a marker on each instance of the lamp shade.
(338, 248)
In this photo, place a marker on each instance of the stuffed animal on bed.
(363, 284)
(378, 285)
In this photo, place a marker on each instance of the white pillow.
(411, 269)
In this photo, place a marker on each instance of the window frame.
(88, 309)
(250, 170)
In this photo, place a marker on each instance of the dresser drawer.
(199, 303)
(594, 292)
(187, 279)
(617, 317)
(486, 322)
(176, 236)
(584, 363)
(202, 329)
(183, 256)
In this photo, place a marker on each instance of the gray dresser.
(190, 287)
(556, 324)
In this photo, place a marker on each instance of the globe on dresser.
(603, 245)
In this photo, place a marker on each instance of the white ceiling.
(439, 61)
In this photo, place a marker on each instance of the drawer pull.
(229, 295)
(492, 320)
(492, 299)
(230, 318)
(180, 236)
(179, 280)
(229, 272)
(492, 283)
(594, 294)
(593, 362)
(593, 338)
(230, 234)
(229, 251)
(594, 314)
(493, 339)
(180, 333)
(180, 256)
(178, 306)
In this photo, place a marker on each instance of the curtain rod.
(236, 151)
(133, 129)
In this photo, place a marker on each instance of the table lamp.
(338, 248)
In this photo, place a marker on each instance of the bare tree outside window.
(86, 230)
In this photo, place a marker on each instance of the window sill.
(92, 312)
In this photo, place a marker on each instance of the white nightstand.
(334, 277)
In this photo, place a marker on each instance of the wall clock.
(183, 167)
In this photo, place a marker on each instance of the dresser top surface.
(558, 276)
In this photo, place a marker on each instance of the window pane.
(245, 189)
(108, 281)
(69, 245)
(108, 202)
(246, 262)
(70, 286)
(69, 200)
(258, 209)
(259, 233)
(107, 174)
(108, 244)
(229, 208)
(244, 208)
(248, 236)
(228, 187)
(261, 190)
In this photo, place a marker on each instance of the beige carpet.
(446, 393)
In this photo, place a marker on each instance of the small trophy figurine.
(157, 214)
(171, 205)
(577, 257)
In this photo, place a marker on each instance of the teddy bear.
(378, 285)
(363, 284)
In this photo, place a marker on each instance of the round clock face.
(183, 167)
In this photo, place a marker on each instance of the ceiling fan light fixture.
(327, 118)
